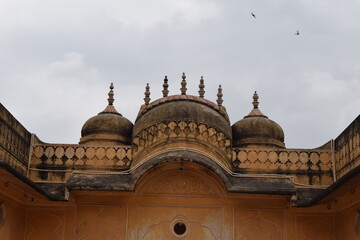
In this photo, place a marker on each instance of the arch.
(180, 179)
(185, 156)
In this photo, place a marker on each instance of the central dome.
(182, 121)
(183, 108)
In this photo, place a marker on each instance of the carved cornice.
(13, 162)
(186, 133)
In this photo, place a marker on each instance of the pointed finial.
(255, 102)
(111, 94)
(183, 85)
(201, 87)
(110, 108)
(147, 94)
(255, 112)
(165, 91)
(219, 95)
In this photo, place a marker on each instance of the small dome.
(108, 127)
(256, 129)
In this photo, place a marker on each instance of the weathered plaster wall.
(348, 223)
(12, 219)
(54, 223)
(193, 195)
(347, 148)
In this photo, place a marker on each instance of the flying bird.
(252, 14)
(297, 33)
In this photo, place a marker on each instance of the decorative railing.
(347, 149)
(308, 166)
(14, 141)
(81, 156)
(50, 162)
(284, 160)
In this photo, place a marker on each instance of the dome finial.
(147, 94)
(183, 85)
(110, 108)
(219, 95)
(255, 102)
(111, 94)
(165, 91)
(201, 87)
(256, 111)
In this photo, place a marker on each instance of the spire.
(201, 87)
(111, 95)
(147, 94)
(165, 91)
(183, 85)
(255, 112)
(255, 102)
(110, 108)
(219, 95)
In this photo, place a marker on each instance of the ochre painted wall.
(167, 195)
(348, 224)
(12, 222)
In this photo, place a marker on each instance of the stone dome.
(184, 108)
(108, 127)
(256, 129)
(182, 120)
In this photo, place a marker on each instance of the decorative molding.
(46, 225)
(155, 222)
(315, 227)
(188, 130)
(100, 226)
(13, 162)
(259, 228)
(180, 184)
(157, 231)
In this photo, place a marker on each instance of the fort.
(180, 171)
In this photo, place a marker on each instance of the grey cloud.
(58, 58)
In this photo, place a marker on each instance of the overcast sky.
(58, 58)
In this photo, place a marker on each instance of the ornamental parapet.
(347, 149)
(305, 166)
(56, 162)
(15, 142)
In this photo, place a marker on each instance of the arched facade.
(180, 171)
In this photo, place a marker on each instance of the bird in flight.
(297, 33)
(252, 14)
